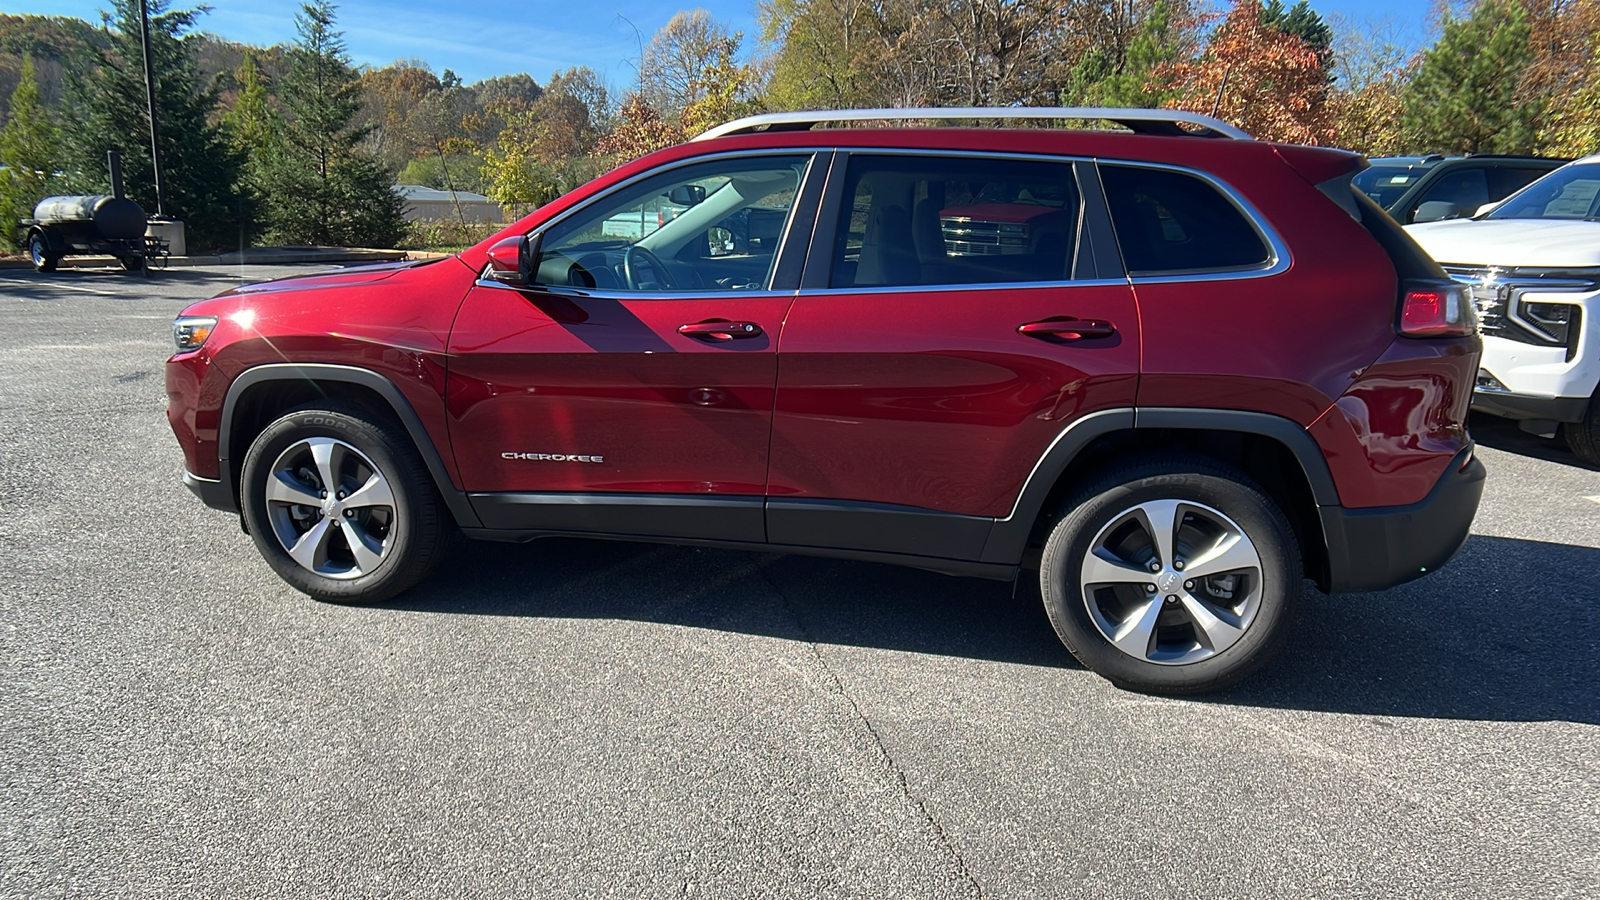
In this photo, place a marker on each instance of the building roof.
(422, 192)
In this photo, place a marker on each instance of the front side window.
(1462, 192)
(708, 227)
(954, 220)
(1172, 222)
(1571, 192)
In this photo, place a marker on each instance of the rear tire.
(1217, 603)
(341, 505)
(134, 264)
(1583, 438)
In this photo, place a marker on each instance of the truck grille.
(1499, 296)
(974, 237)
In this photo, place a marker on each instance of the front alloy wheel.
(331, 509)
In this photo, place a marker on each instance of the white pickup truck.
(1533, 262)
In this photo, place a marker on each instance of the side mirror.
(1434, 210)
(686, 194)
(508, 262)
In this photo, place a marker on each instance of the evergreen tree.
(250, 123)
(319, 188)
(1303, 22)
(1464, 96)
(1158, 41)
(199, 170)
(28, 146)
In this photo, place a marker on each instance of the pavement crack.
(877, 739)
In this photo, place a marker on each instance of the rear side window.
(1171, 222)
(954, 220)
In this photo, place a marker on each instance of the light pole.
(150, 92)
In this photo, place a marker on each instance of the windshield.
(1386, 184)
(1571, 192)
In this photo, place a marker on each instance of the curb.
(266, 256)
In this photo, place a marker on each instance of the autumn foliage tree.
(1466, 96)
(1268, 83)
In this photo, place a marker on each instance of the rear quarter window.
(1170, 222)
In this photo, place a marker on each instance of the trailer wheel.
(43, 261)
(131, 263)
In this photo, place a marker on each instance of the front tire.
(341, 505)
(1171, 575)
(1583, 438)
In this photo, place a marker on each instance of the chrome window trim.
(563, 290)
(811, 153)
(983, 286)
(1280, 258)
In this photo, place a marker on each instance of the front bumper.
(1509, 405)
(1377, 548)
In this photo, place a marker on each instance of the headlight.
(190, 332)
(1552, 321)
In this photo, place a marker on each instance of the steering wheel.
(650, 259)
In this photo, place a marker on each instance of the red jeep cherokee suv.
(1176, 370)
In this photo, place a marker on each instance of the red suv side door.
(956, 315)
(630, 389)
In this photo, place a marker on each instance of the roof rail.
(1139, 121)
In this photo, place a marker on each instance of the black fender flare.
(1008, 539)
(455, 500)
(54, 243)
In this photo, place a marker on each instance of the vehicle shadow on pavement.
(1509, 631)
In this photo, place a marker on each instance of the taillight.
(1437, 310)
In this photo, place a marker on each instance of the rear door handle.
(1063, 328)
(721, 330)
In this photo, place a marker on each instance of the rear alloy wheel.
(39, 253)
(341, 505)
(1171, 576)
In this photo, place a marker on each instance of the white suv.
(1533, 262)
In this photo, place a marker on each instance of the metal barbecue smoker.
(97, 225)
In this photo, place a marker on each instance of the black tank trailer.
(98, 224)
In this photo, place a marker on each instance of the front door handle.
(721, 330)
(1064, 328)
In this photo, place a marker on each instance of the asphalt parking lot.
(582, 719)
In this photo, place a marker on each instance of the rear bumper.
(1530, 406)
(211, 492)
(1377, 548)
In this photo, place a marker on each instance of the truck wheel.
(1171, 575)
(131, 263)
(40, 253)
(1583, 438)
(341, 505)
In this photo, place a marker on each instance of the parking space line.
(63, 287)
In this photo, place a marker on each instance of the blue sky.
(483, 38)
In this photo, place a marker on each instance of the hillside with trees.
(291, 143)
